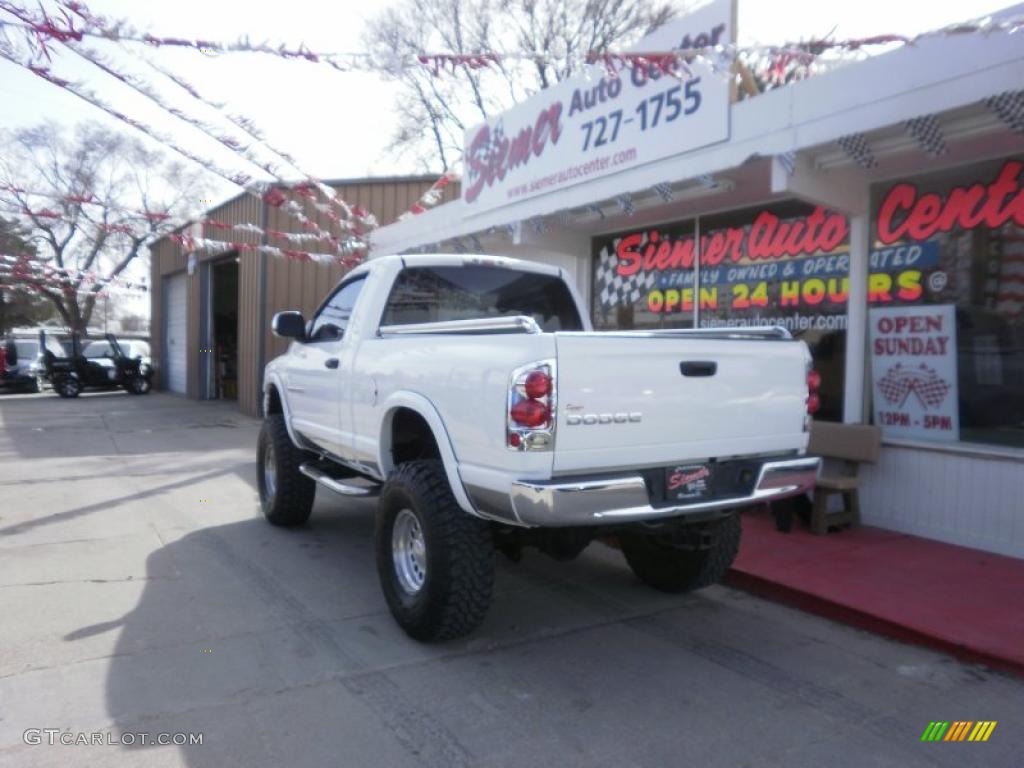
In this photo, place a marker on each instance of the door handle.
(331, 362)
(698, 368)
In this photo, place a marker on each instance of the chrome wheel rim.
(71, 386)
(409, 551)
(269, 473)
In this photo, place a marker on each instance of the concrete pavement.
(141, 592)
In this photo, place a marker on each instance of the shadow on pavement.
(277, 646)
(243, 632)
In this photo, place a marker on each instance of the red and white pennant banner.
(348, 218)
(352, 220)
(272, 196)
(45, 26)
(432, 196)
(201, 244)
(27, 269)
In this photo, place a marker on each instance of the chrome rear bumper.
(625, 499)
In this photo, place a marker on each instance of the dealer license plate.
(688, 482)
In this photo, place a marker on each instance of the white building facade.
(877, 211)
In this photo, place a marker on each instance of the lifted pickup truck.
(471, 395)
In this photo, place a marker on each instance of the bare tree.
(434, 112)
(91, 199)
(17, 306)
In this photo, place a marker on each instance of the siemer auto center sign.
(584, 128)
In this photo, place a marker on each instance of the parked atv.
(113, 368)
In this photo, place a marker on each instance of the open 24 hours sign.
(588, 127)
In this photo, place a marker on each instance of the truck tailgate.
(652, 399)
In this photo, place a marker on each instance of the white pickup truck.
(472, 396)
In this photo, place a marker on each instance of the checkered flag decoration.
(707, 180)
(596, 210)
(856, 146)
(458, 245)
(540, 226)
(1009, 107)
(788, 161)
(478, 247)
(664, 190)
(626, 204)
(898, 382)
(613, 289)
(928, 134)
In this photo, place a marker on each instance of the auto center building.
(876, 211)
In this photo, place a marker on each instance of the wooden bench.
(843, 448)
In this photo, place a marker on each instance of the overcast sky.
(338, 124)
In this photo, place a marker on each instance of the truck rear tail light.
(531, 407)
(537, 384)
(813, 385)
(530, 413)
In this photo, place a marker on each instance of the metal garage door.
(175, 329)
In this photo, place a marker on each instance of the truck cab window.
(470, 292)
(330, 322)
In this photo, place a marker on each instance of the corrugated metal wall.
(287, 284)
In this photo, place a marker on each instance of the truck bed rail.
(767, 333)
(511, 324)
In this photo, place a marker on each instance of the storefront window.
(644, 278)
(945, 294)
(953, 369)
(784, 264)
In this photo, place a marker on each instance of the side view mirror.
(289, 325)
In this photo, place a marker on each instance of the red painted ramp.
(964, 601)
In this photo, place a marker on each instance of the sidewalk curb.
(845, 614)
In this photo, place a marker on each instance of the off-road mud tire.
(458, 555)
(287, 497)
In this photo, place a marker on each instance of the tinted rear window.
(436, 294)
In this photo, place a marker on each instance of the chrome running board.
(333, 484)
